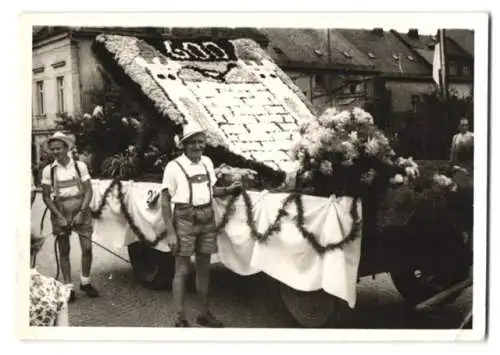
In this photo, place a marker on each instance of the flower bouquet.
(227, 175)
(343, 153)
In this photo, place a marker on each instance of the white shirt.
(64, 173)
(462, 138)
(177, 185)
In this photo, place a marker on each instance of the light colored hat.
(60, 136)
(189, 130)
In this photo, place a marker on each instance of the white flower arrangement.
(341, 139)
(348, 134)
(444, 181)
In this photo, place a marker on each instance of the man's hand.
(62, 221)
(235, 187)
(77, 219)
(172, 242)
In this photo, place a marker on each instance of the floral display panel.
(231, 88)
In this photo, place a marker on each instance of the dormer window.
(347, 55)
(278, 50)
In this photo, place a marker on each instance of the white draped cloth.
(286, 256)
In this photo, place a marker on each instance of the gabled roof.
(387, 52)
(309, 47)
(464, 38)
(423, 45)
(231, 88)
(42, 32)
(454, 49)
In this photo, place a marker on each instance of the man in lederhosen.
(188, 185)
(69, 182)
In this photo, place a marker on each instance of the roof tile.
(384, 47)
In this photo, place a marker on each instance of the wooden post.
(444, 295)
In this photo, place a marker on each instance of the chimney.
(379, 31)
(413, 33)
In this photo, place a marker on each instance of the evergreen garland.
(275, 227)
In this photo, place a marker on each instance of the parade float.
(326, 199)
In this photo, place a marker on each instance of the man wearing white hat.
(188, 185)
(69, 182)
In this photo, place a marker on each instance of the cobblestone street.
(240, 301)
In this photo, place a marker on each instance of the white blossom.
(353, 136)
(361, 116)
(372, 147)
(98, 111)
(326, 167)
(397, 179)
(135, 123)
(442, 180)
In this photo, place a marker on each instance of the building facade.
(328, 69)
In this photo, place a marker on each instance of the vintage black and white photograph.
(254, 177)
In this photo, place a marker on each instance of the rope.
(66, 235)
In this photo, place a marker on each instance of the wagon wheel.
(154, 269)
(418, 284)
(309, 309)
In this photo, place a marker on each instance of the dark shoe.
(208, 320)
(72, 296)
(181, 323)
(89, 290)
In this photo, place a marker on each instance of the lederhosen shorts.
(69, 207)
(195, 225)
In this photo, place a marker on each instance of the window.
(60, 94)
(453, 68)
(466, 69)
(40, 98)
(320, 83)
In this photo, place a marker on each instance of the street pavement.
(239, 301)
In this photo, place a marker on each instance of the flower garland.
(275, 227)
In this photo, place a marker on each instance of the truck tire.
(152, 268)
(314, 309)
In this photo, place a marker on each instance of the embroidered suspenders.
(57, 184)
(197, 179)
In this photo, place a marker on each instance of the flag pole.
(444, 65)
(444, 81)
